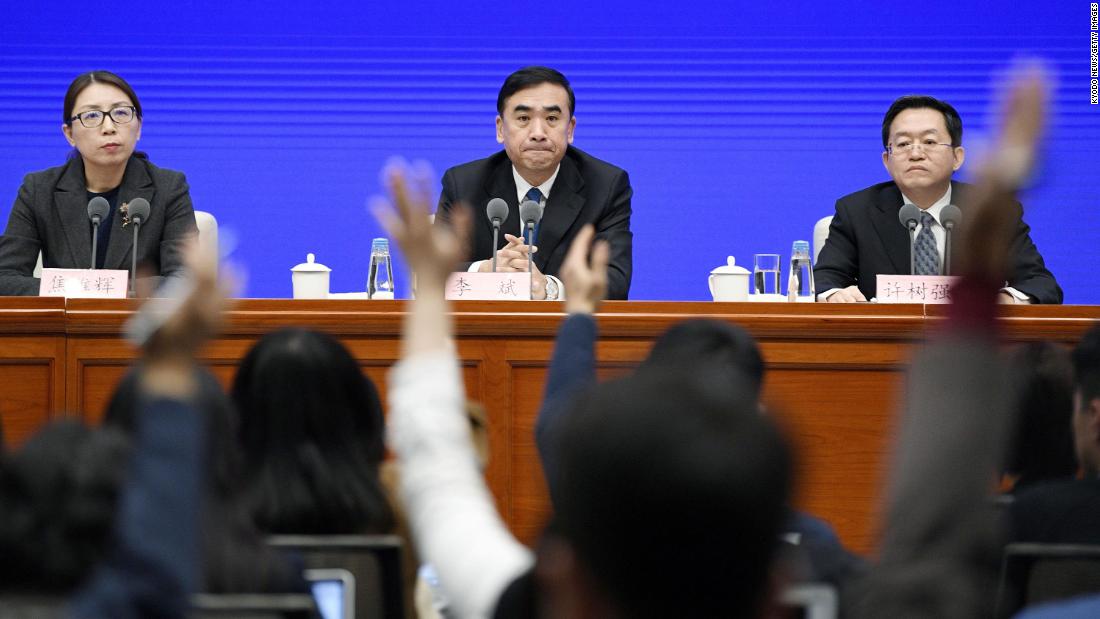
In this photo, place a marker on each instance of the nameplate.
(84, 283)
(464, 286)
(926, 289)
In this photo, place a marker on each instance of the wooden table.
(833, 374)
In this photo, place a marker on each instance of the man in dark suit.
(922, 137)
(535, 123)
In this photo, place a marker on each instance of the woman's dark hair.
(1043, 446)
(84, 80)
(236, 558)
(312, 437)
(59, 494)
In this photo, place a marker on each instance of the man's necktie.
(535, 196)
(926, 258)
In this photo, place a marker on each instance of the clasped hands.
(514, 258)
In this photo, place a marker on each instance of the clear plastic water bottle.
(800, 286)
(380, 279)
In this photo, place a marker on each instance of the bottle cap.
(377, 244)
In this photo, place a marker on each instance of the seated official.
(923, 140)
(535, 123)
(102, 120)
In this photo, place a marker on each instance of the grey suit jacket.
(50, 214)
(586, 190)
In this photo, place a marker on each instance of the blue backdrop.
(740, 124)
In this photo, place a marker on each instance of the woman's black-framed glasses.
(94, 118)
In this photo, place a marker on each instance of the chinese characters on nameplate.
(84, 283)
(928, 289)
(464, 286)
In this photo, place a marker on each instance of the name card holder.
(464, 286)
(925, 289)
(84, 283)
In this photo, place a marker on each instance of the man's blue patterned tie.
(535, 196)
(926, 258)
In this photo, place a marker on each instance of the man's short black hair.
(672, 491)
(528, 77)
(707, 343)
(951, 117)
(1086, 364)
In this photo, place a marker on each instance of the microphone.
(98, 207)
(138, 212)
(909, 215)
(497, 211)
(530, 214)
(950, 216)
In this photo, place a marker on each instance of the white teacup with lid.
(729, 282)
(310, 279)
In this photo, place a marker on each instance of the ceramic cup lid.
(309, 266)
(730, 267)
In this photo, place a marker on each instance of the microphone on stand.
(497, 211)
(950, 216)
(530, 214)
(98, 207)
(909, 215)
(138, 212)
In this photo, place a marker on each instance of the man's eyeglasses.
(904, 147)
(94, 118)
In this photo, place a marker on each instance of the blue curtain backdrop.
(740, 123)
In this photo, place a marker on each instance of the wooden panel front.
(834, 374)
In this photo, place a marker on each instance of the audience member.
(311, 433)
(235, 556)
(715, 467)
(1068, 511)
(1043, 445)
(695, 345)
(58, 495)
(60, 534)
(153, 567)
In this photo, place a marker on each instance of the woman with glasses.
(102, 120)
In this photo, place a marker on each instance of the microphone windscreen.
(497, 209)
(98, 207)
(530, 211)
(138, 210)
(950, 216)
(909, 215)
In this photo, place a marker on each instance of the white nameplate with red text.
(84, 283)
(927, 289)
(463, 286)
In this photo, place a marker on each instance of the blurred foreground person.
(312, 436)
(152, 564)
(1042, 449)
(235, 556)
(715, 468)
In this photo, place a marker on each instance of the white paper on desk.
(465, 286)
(927, 289)
(84, 283)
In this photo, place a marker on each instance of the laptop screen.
(334, 592)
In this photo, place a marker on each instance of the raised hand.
(585, 280)
(431, 251)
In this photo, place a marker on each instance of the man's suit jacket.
(51, 215)
(866, 239)
(586, 190)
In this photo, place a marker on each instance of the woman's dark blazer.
(51, 215)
